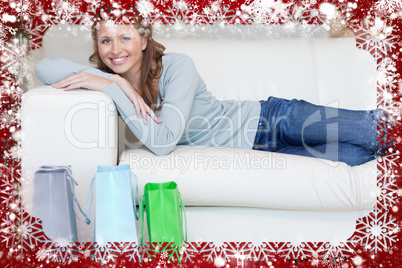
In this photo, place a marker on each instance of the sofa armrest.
(77, 128)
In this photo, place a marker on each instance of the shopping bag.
(166, 217)
(54, 202)
(115, 208)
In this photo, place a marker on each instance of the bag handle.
(142, 218)
(183, 215)
(73, 183)
(136, 197)
(90, 194)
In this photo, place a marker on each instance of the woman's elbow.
(162, 151)
(50, 71)
(42, 69)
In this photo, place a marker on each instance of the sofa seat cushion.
(259, 225)
(247, 178)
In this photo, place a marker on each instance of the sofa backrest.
(323, 71)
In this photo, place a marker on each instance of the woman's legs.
(288, 123)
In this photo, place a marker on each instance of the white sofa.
(230, 194)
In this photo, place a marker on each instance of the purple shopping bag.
(53, 202)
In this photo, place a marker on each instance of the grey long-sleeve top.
(190, 115)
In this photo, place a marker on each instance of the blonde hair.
(153, 52)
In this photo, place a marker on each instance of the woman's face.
(120, 48)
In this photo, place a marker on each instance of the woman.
(134, 71)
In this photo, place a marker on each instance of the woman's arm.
(53, 70)
(135, 98)
(64, 73)
(180, 84)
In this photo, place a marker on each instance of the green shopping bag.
(166, 217)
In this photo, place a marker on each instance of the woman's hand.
(141, 107)
(83, 80)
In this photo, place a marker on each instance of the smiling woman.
(120, 45)
(130, 51)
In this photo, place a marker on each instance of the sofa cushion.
(247, 178)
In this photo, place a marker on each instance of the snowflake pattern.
(190, 250)
(375, 35)
(211, 251)
(62, 13)
(377, 231)
(263, 252)
(61, 251)
(24, 34)
(111, 251)
(296, 252)
(217, 12)
(9, 116)
(387, 191)
(24, 232)
(266, 12)
(166, 252)
(131, 251)
(336, 252)
(176, 14)
(387, 75)
(21, 232)
(9, 197)
(12, 54)
(391, 8)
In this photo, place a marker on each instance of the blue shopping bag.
(54, 202)
(115, 208)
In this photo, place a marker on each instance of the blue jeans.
(301, 128)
